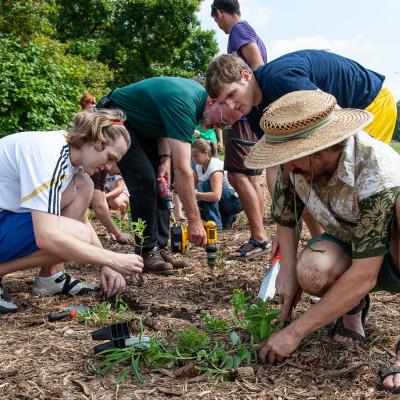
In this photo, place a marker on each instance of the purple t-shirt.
(241, 34)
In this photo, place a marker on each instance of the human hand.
(112, 282)
(197, 234)
(124, 238)
(279, 345)
(127, 264)
(196, 133)
(289, 292)
(164, 170)
(220, 146)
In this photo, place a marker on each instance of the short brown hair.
(226, 68)
(103, 126)
(86, 99)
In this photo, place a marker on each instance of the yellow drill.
(180, 240)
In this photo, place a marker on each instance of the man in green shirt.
(161, 116)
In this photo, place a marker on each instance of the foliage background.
(53, 51)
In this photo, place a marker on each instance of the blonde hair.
(226, 68)
(103, 126)
(203, 146)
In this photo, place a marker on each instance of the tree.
(137, 39)
(40, 83)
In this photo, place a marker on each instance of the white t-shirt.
(215, 165)
(111, 183)
(35, 169)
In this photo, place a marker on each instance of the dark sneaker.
(62, 283)
(155, 264)
(176, 263)
(5, 306)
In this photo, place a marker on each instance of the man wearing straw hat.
(350, 184)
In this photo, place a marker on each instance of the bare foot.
(393, 381)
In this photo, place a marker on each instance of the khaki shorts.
(388, 278)
(239, 141)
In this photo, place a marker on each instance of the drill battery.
(180, 240)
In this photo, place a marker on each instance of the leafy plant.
(103, 313)
(210, 349)
(138, 230)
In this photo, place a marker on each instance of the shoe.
(5, 306)
(155, 264)
(392, 370)
(250, 245)
(341, 330)
(177, 264)
(62, 283)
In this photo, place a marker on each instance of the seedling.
(138, 230)
(103, 313)
(216, 349)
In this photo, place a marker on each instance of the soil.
(42, 360)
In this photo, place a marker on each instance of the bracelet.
(164, 155)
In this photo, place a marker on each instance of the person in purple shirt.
(244, 42)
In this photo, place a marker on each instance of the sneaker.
(62, 283)
(176, 263)
(5, 306)
(155, 264)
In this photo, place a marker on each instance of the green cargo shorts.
(388, 278)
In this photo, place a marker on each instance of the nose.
(288, 167)
(230, 103)
(108, 166)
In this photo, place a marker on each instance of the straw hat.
(302, 123)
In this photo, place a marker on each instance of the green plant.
(138, 230)
(103, 313)
(211, 349)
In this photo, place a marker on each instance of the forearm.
(68, 248)
(185, 187)
(209, 197)
(288, 241)
(104, 216)
(114, 193)
(163, 146)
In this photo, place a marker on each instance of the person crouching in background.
(216, 198)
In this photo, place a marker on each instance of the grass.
(396, 147)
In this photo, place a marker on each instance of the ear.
(246, 75)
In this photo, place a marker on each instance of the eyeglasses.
(222, 121)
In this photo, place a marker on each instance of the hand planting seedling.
(222, 344)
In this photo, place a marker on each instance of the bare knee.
(76, 198)
(320, 265)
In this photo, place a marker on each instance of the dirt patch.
(42, 360)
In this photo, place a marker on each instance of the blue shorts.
(17, 238)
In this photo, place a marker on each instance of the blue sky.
(363, 30)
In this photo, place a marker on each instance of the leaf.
(236, 361)
(235, 338)
(228, 362)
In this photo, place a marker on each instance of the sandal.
(341, 330)
(251, 245)
(392, 370)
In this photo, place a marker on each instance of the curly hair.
(103, 126)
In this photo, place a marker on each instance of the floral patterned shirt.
(356, 205)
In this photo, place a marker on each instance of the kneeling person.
(216, 198)
(350, 184)
(43, 202)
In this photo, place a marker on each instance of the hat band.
(302, 133)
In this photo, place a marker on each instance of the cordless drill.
(165, 194)
(180, 240)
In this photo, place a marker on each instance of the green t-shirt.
(210, 135)
(162, 107)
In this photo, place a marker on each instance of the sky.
(363, 30)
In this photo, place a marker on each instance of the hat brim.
(347, 123)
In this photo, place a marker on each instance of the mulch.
(42, 360)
